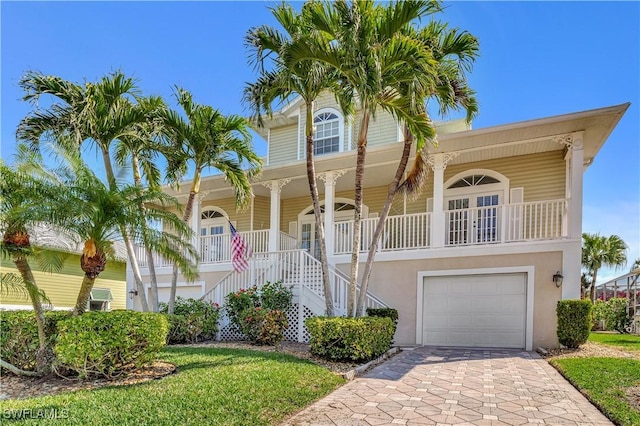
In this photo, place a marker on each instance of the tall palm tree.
(454, 52)
(141, 150)
(378, 61)
(97, 216)
(98, 113)
(206, 138)
(282, 80)
(636, 265)
(599, 251)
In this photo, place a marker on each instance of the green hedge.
(110, 343)
(19, 336)
(350, 339)
(193, 320)
(574, 322)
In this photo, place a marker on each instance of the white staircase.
(299, 271)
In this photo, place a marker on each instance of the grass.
(629, 342)
(213, 386)
(603, 381)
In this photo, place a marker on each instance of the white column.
(274, 224)
(437, 217)
(575, 198)
(329, 179)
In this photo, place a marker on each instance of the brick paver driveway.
(454, 386)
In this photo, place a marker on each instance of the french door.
(473, 219)
(212, 243)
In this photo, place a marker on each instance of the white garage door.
(475, 310)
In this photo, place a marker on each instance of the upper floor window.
(326, 136)
(474, 180)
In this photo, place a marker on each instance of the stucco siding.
(282, 144)
(396, 283)
(62, 287)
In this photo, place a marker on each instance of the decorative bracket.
(330, 178)
(275, 185)
(440, 160)
(566, 140)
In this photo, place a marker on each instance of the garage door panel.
(475, 310)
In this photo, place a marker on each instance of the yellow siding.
(261, 211)
(382, 130)
(283, 143)
(62, 287)
(242, 218)
(541, 175)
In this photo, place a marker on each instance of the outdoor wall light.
(135, 293)
(557, 279)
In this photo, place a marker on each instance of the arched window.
(473, 180)
(327, 132)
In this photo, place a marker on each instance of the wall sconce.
(557, 279)
(132, 293)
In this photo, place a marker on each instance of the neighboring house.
(470, 262)
(61, 287)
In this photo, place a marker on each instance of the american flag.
(240, 250)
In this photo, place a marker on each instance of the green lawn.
(212, 387)
(629, 342)
(604, 380)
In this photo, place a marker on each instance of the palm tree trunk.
(391, 193)
(44, 352)
(137, 179)
(592, 290)
(187, 215)
(83, 295)
(131, 254)
(357, 215)
(313, 188)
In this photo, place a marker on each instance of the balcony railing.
(217, 248)
(541, 220)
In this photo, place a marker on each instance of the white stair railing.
(295, 268)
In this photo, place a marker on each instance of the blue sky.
(537, 59)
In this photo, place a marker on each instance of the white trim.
(299, 152)
(530, 281)
(503, 185)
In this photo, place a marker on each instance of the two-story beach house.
(479, 259)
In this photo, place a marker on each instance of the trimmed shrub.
(110, 343)
(616, 315)
(19, 336)
(385, 313)
(598, 314)
(574, 322)
(192, 321)
(350, 339)
(260, 314)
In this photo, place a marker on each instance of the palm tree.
(380, 66)
(24, 202)
(99, 112)
(97, 216)
(599, 251)
(454, 52)
(636, 265)
(207, 138)
(141, 150)
(304, 78)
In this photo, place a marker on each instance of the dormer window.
(327, 132)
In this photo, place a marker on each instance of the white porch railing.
(540, 220)
(217, 248)
(287, 242)
(404, 232)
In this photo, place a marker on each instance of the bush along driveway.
(607, 371)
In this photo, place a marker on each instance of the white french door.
(212, 242)
(473, 219)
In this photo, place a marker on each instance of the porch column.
(195, 221)
(438, 163)
(329, 179)
(274, 215)
(575, 196)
